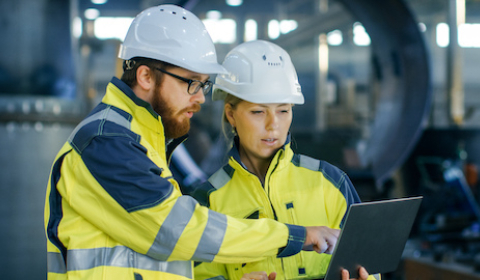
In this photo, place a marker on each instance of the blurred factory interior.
(392, 98)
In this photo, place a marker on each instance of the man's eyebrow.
(198, 77)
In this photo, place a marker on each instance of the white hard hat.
(259, 72)
(171, 34)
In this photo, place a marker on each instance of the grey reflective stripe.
(219, 178)
(55, 263)
(376, 276)
(120, 256)
(172, 228)
(309, 163)
(217, 278)
(106, 114)
(212, 237)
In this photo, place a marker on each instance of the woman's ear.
(229, 114)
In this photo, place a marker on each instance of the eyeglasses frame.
(190, 82)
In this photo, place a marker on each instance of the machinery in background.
(446, 236)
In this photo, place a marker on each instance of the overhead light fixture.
(112, 27)
(99, 2)
(443, 34)
(251, 30)
(223, 31)
(273, 29)
(214, 15)
(234, 3)
(288, 25)
(77, 27)
(360, 35)
(335, 38)
(91, 14)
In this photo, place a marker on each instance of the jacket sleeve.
(205, 271)
(123, 194)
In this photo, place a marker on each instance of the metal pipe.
(456, 106)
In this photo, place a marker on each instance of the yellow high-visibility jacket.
(113, 210)
(298, 190)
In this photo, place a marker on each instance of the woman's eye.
(257, 112)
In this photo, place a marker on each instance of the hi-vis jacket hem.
(298, 190)
(113, 210)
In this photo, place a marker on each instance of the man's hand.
(321, 239)
(259, 275)
(363, 274)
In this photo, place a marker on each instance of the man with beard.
(113, 210)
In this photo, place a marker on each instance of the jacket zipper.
(299, 256)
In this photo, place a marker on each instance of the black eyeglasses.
(193, 85)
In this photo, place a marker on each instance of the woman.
(264, 178)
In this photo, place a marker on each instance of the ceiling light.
(91, 14)
(251, 30)
(214, 14)
(273, 29)
(234, 3)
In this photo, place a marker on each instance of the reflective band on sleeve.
(172, 228)
(55, 263)
(377, 276)
(106, 114)
(212, 237)
(120, 256)
(309, 163)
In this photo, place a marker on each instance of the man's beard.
(173, 126)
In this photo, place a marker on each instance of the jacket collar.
(130, 94)
(122, 96)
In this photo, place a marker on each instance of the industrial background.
(392, 91)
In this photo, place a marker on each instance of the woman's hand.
(259, 275)
(363, 274)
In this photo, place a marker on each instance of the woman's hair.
(228, 131)
(130, 67)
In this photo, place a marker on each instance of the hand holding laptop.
(362, 272)
(369, 229)
(321, 239)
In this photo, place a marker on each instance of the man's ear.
(229, 114)
(145, 79)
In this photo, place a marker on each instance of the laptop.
(373, 236)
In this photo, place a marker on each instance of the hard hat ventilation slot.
(274, 64)
(184, 18)
(264, 57)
